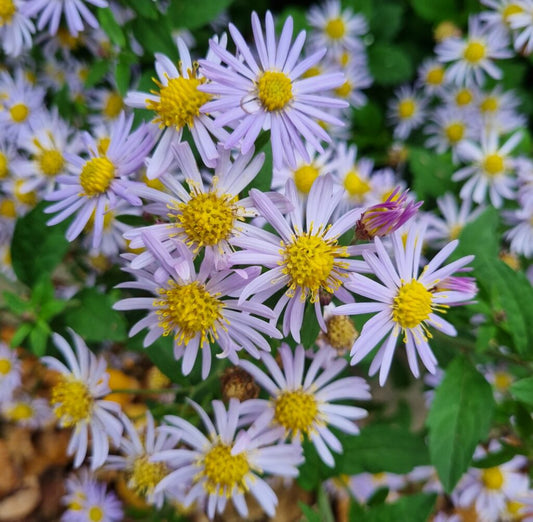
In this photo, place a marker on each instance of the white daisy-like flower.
(431, 76)
(16, 27)
(9, 372)
(26, 411)
(77, 401)
(522, 23)
(76, 13)
(357, 78)
(406, 111)
(108, 103)
(302, 403)
(520, 236)
(385, 182)
(10, 160)
(177, 105)
(462, 98)
(142, 474)
(497, 110)
(500, 13)
(215, 470)
(524, 171)
(405, 301)
(303, 256)
(364, 485)
(473, 57)
(197, 308)
(490, 168)
(448, 128)
(252, 96)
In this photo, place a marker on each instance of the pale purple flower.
(16, 27)
(406, 111)
(26, 411)
(9, 372)
(522, 24)
(520, 236)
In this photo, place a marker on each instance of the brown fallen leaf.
(23, 501)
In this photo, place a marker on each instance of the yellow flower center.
(109, 217)
(312, 71)
(455, 231)
(51, 162)
(4, 166)
(72, 401)
(224, 471)
(5, 366)
(474, 52)
(26, 198)
(444, 30)
(341, 332)
(7, 10)
(435, 76)
(179, 101)
(489, 104)
(335, 28)
(309, 261)
(502, 381)
(493, 164)
(146, 475)
(189, 310)
(514, 508)
(344, 90)
(8, 209)
(464, 97)
(66, 39)
(511, 10)
(296, 411)
(96, 176)
(207, 218)
(96, 514)
(344, 58)
(412, 304)
(406, 108)
(103, 145)
(455, 132)
(355, 185)
(19, 112)
(304, 177)
(274, 90)
(492, 478)
(20, 411)
(113, 105)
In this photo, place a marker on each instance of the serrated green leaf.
(110, 26)
(523, 390)
(191, 15)
(432, 173)
(389, 65)
(36, 249)
(459, 418)
(412, 508)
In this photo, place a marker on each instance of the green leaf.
(191, 15)
(94, 318)
(146, 8)
(459, 418)
(38, 338)
(110, 26)
(22, 332)
(389, 65)
(299, 19)
(123, 72)
(522, 390)
(412, 508)
(309, 514)
(387, 21)
(15, 303)
(324, 506)
(42, 291)
(310, 327)
(51, 309)
(97, 71)
(436, 10)
(432, 173)
(36, 249)
(478, 237)
(155, 37)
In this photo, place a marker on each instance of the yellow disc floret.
(489, 104)
(179, 101)
(296, 411)
(335, 28)
(493, 164)
(341, 332)
(406, 108)
(5, 366)
(435, 76)
(51, 162)
(189, 310)
(355, 185)
(455, 132)
(474, 51)
(511, 10)
(412, 304)
(72, 401)
(95, 514)
(96, 176)
(274, 90)
(492, 478)
(20, 412)
(145, 475)
(26, 198)
(223, 471)
(8, 210)
(7, 10)
(309, 261)
(4, 166)
(304, 177)
(113, 105)
(19, 112)
(344, 90)
(463, 97)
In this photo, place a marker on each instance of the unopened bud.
(238, 384)
(341, 333)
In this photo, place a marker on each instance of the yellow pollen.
(341, 332)
(26, 198)
(335, 28)
(189, 310)
(412, 304)
(4, 166)
(511, 10)
(455, 132)
(179, 101)
(66, 39)
(406, 108)
(19, 112)
(355, 185)
(455, 231)
(344, 58)
(489, 104)
(464, 97)
(103, 145)
(5, 366)
(274, 90)
(296, 411)
(224, 471)
(312, 71)
(113, 105)
(51, 162)
(8, 209)
(304, 177)
(492, 478)
(344, 90)
(146, 475)
(309, 261)
(7, 10)
(96, 176)
(435, 76)
(474, 52)
(21, 411)
(72, 401)
(493, 164)
(514, 508)
(96, 514)
(502, 381)
(207, 218)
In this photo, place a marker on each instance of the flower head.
(9, 372)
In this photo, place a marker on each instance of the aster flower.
(100, 181)
(462, 98)
(303, 256)
(521, 22)
(448, 129)
(16, 27)
(75, 11)
(497, 110)
(404, 300)
(9, 372)
(406, 111)
(197, 309)
(302, 403)
(108, 103)
(270, 95)
(215, 469)
(77, 401)
(431, 76)
(490, 170)
(357, 78)
(364, 485)
(27, 411)
(520, 235)
(473, 57)
(500, 13)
